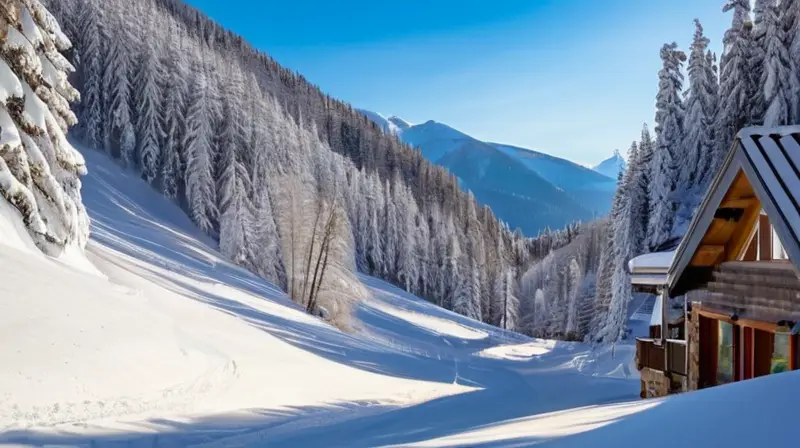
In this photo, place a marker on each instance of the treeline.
(296, 186)
(755, 83)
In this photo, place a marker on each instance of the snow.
(157, 336)
(167, 344)
(10, 85)
(656, 262)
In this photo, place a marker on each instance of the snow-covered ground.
(154, 340)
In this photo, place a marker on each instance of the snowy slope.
(562, 190)
(612, 166)
(167, 344)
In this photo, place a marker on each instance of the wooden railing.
(650, 354)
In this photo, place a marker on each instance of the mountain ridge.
(560, 191)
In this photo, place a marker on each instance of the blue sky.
(572, 78)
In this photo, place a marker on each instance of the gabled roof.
(761, 170)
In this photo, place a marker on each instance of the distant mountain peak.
(399, 122)
(612, 166)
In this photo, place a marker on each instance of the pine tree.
(758, 59)
(39, 169)
(149, 130)
(697, 144)
(640, 193)
(790, 13)
(119, 136)
(737, 85)
(91, 76)
(174, 123)
(777, 78)
(200, 188)
(234, 180)
(669, 135)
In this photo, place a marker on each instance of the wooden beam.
(744, 203)
(708, 255)
(737, 245)
(761, 325)
(764, 238)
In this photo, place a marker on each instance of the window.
(781, 353)
(778, 252)
(725, 353)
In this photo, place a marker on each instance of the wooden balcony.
(650, 354)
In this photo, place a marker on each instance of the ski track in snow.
(166, 344)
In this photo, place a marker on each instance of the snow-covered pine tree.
(640, 193)
(510, 301)
(200, 188)
(758, 58)
(736, 79)
(697, 144)
(572, 284)
(790, 15)
(706, 168)
(39, 169)
(620, 281)
(119, 134)
(234, 180)
(778, 80)
(148, 80)
(669, 135)
(90, 74)
(173, 119)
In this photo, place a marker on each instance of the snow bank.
(519, 352)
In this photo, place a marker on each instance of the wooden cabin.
(736, 274)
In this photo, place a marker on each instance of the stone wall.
(654, 383)
(693, 346)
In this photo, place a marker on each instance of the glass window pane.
(725, 353)
(780, 354)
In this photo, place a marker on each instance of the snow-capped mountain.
(392, 125)
(525, 188)
(612, 166)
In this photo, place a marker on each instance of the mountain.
(612, 166)
(525, 188)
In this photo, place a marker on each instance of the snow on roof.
(657, 262)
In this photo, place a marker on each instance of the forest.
(303, 190)
(296, 186)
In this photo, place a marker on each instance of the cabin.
(729, 294)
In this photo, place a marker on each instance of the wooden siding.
(762, 291)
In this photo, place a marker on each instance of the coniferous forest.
(303, 190)
(295, 185)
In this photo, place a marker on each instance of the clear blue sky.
(571, 78)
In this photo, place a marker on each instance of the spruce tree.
(669, 136)
(149, 129)
(737, 85)
(39, 169)
(90, 72)
(200, 188)
(777, 78)
(697, 143)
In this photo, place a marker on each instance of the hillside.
(155, 337)
(155, 340)
(527, 189)
(259, 159)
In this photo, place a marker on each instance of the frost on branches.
(39, 169)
